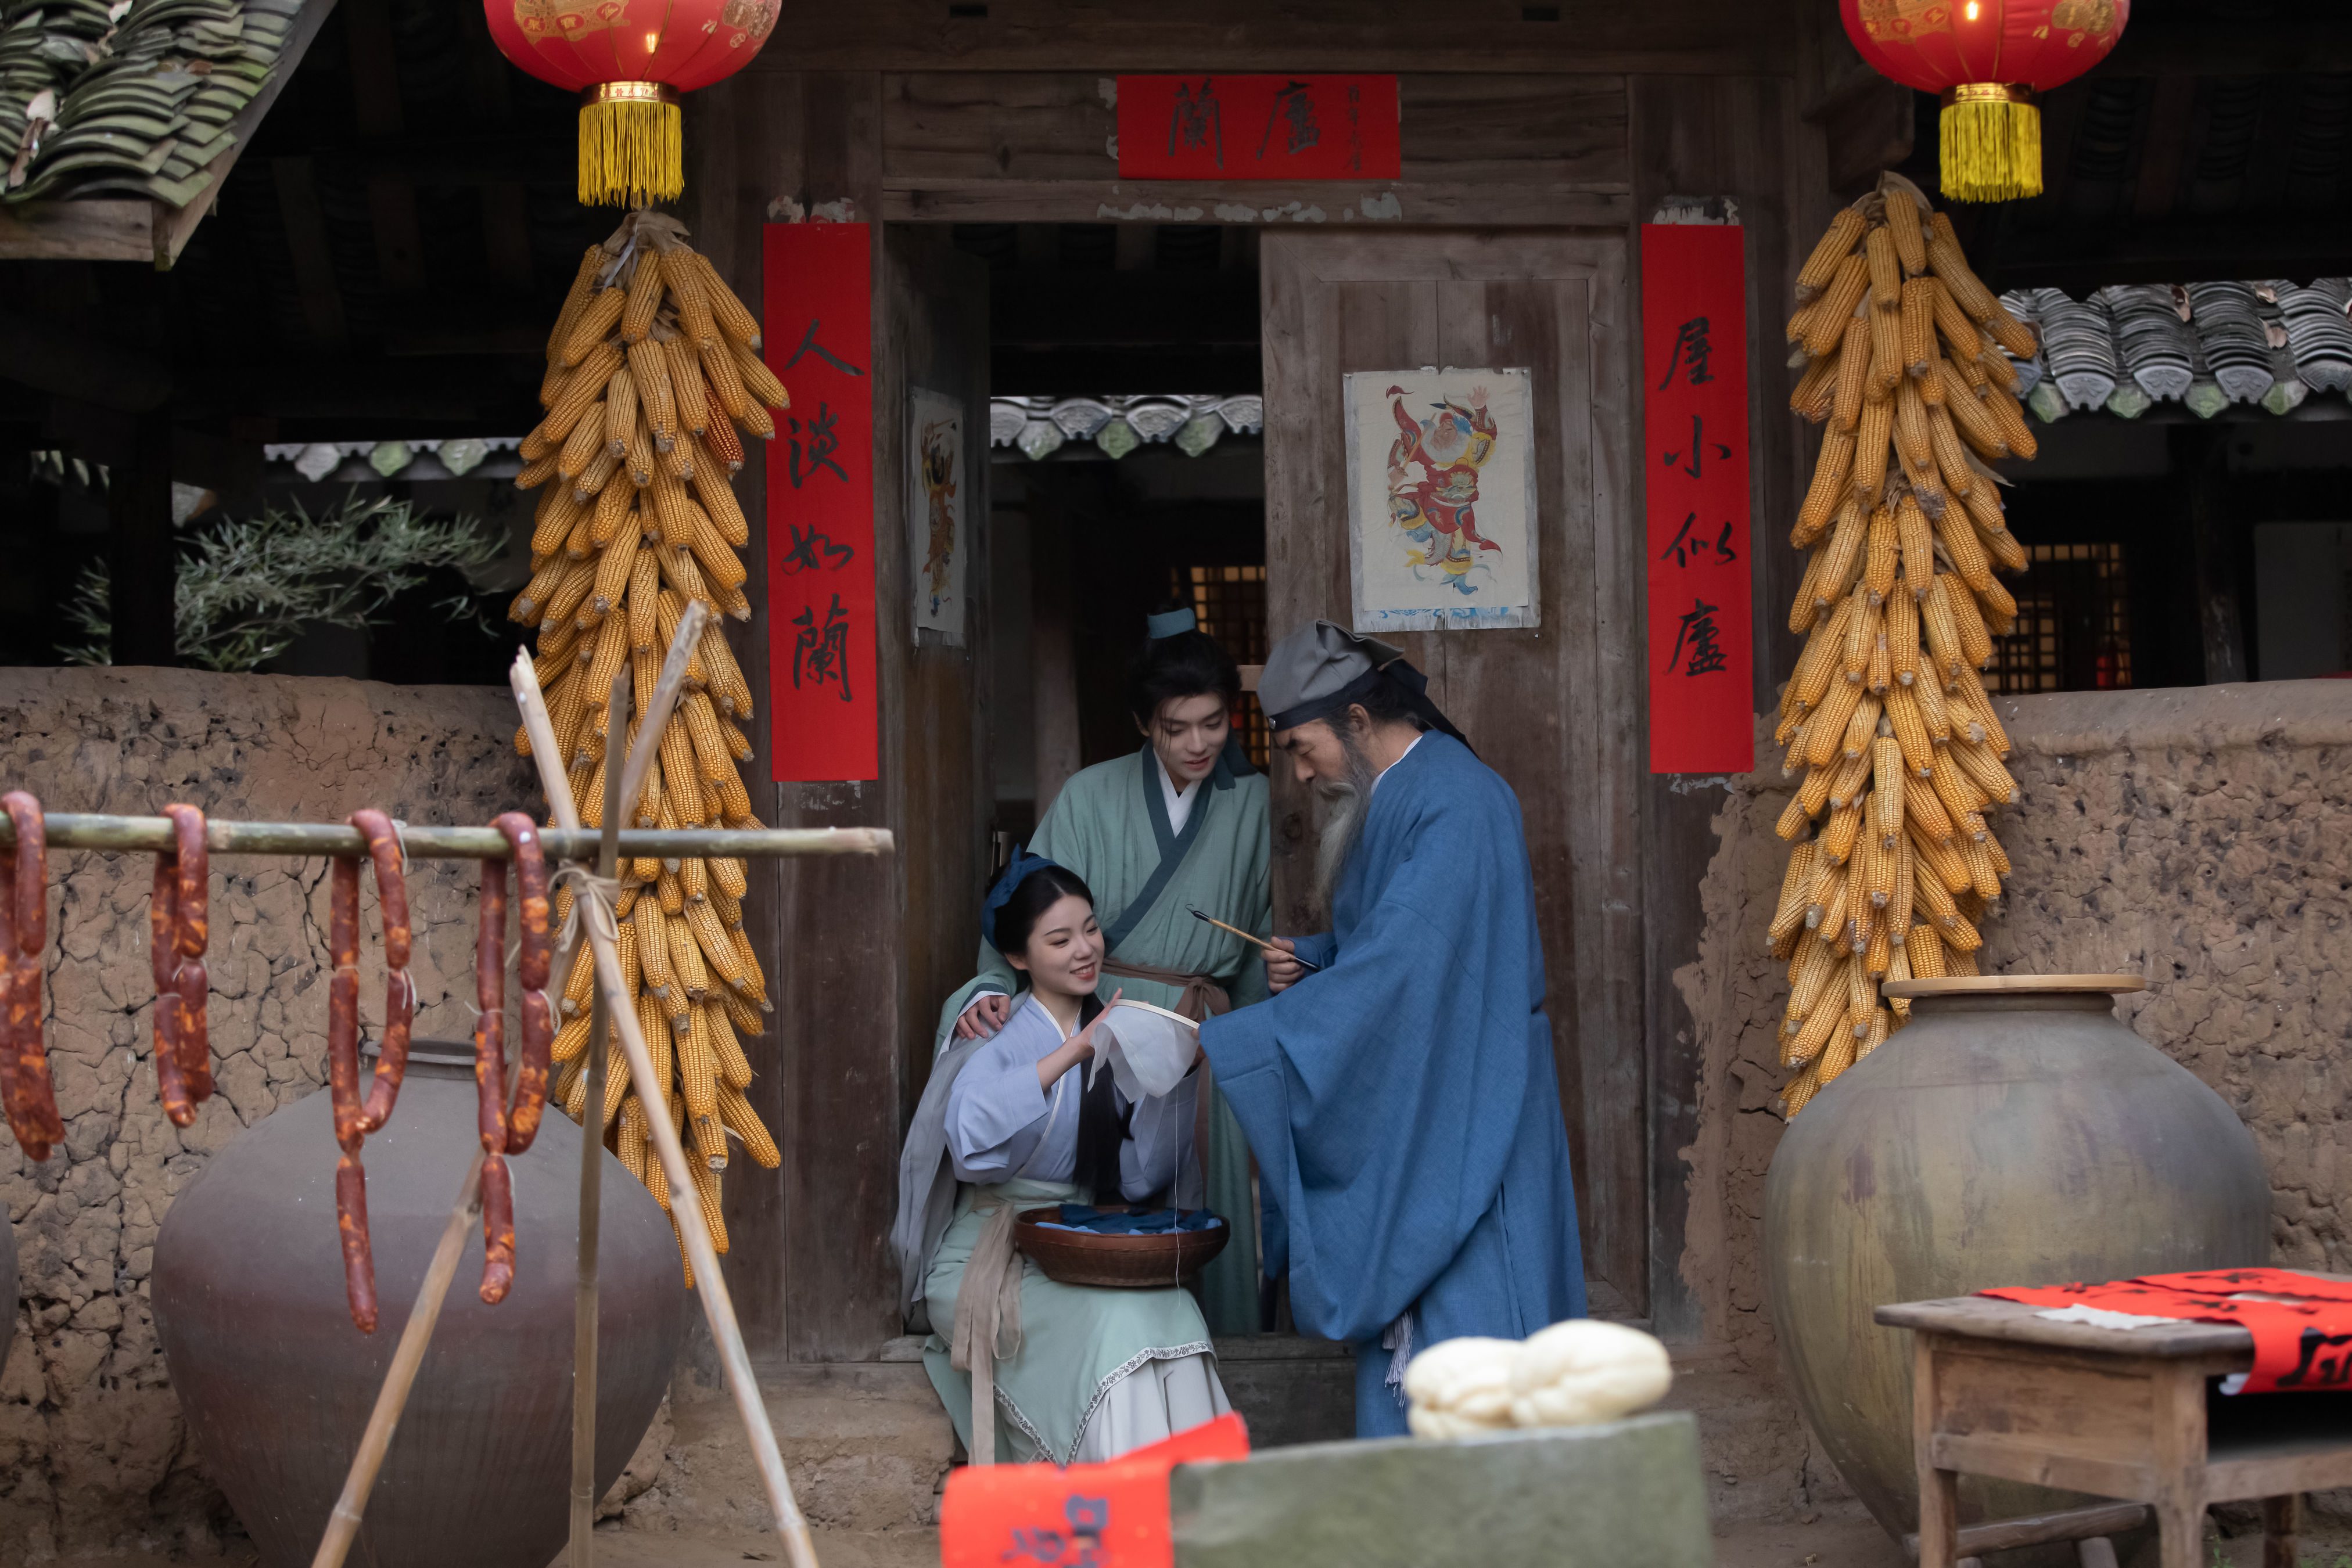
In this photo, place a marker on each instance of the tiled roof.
(2204, 345)
(1039, 426)
(129, 97)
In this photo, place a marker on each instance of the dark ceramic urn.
(277, 1383)
(2017, 1132)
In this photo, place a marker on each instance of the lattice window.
(2074, 623)
(1231, 603)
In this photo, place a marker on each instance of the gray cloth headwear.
(1319, 670)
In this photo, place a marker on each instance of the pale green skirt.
(1078, 1345)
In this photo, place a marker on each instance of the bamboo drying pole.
(591, 1151)
(685, 1208)
(343, 1522)
(152, 835)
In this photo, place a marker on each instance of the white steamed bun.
(1459, 1386)
(1574, 1373)
(1585, 1371)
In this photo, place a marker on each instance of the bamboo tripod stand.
(568, 843)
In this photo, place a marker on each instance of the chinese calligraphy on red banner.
(1695, 447)
(818, 338)
(1258, 127)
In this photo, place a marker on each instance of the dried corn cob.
(1893, 863)
(1833, 248)
(629, 409)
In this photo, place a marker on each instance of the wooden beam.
(322, 397)
(2200, 464)
(2080, 255)
(2165, 147)
(314, 263)
(142, 577)
(376, 106)
(2156, 47)
(42, 353)
(1241, 202)
(1867, 130)
(2062, 117)
(1213, 36)
(1132, 308)
(77, 231)
(506, 233)
(505, 203)
(535, 157)
(1057, 372)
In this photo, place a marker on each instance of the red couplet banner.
(1695, 452)
(818, 337)
(1258, 127)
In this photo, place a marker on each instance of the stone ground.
(1827, 1543)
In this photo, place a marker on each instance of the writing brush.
(1261, 941)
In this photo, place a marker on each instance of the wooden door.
(937, 763)
(1556, 707)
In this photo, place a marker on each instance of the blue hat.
(1016, 872)
(1170, 624)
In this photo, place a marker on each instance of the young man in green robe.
(1179, 826)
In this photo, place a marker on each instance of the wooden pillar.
(2216, 531)
(1053, 646)
(140, 561)
(1712, 137)
(810, 1267)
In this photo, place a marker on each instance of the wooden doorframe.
(810, 1271)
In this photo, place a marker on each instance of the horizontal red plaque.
(1258, 127)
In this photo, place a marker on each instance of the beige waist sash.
(987, 1317)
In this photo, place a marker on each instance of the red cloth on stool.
(2300, 1345)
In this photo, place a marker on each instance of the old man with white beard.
(1400, 1096)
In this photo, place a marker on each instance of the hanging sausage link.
(355, 1117)
(26, 1096)
(502, 1132)
(177, 935)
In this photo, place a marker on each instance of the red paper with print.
(818, 338)
(1258, 127)
(1110, 1515)
(2301, 1345)
(1695, 454)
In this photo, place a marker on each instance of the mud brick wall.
(92, 1451)
(2200, 837)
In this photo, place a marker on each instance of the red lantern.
(629, 60)
(1990, 60)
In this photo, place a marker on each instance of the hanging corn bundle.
(652, 364)
(1885, 718)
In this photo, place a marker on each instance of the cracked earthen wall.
(2200, 837)
(92, 1451)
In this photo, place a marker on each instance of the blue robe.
(1402, 1103)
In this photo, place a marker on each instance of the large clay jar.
(277, 1383)
(2016, 1133)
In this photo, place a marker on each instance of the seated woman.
(1079, 1373)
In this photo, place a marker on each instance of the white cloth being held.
(1148, 1049)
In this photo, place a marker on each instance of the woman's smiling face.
(1065, 949)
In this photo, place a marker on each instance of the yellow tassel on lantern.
(632, 147)
(1992, 140)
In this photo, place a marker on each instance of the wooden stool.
(2119, 1413)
